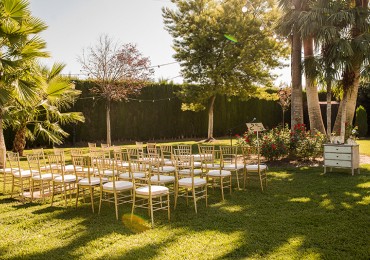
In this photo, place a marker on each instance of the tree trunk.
(210, 118)
(108, 106)
(19, 142)
(314, 111)
(296, 99)
(328, 108)
(2, 142)
(343, 118)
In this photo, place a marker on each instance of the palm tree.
(43, 116)
(19, 46)
(289, 26)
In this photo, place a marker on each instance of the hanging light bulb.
(244, 9)
(262, 28)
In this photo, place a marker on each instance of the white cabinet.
(342, 156)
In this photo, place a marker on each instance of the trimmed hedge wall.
(163, 118)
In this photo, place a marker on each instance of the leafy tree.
(221, 50)
(118, 71)
(43, 116)
(19, 47)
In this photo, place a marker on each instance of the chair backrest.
(229, 155)
(13, 160)
(185, 148)
(207, 153)
(166, 152)
(91, 145)
(56, 161)
(104, 145)
(103, 165)
(146, 168)
(58, 151)
(82, 166)
(76, 151)
(184, 162)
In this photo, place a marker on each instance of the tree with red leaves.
(118, 71)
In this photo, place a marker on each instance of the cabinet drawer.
(338, 163)
(337, 149)
(338, 156)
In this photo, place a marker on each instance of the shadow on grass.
(302, 214)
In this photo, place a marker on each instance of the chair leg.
(237, 178)
(116, 204)
(133, 205)
(151, 210)
(77, 194)
(176, 195)
(222, 187)
(206, 194)
(168, 207)
(195, 200)
(92, 197)
(52, 195)
(101, 197)
(13, 182)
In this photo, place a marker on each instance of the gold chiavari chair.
(149, 196)
(187, 182)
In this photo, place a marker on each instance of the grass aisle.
(303, 214)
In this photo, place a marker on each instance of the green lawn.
(364, 146)
(304, 214)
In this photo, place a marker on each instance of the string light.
(134, 99)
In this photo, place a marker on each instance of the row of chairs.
(131, 175)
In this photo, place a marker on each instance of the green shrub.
(361, 121)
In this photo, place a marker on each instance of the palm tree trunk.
(328, 107)
(19, 142)
(2, 142)
(210, 117)
(108, 106)
(314, 111)
(343, 117)
(296, 71)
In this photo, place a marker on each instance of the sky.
(74, 25)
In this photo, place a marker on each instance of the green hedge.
(163, 118)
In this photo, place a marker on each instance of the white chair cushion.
(45, 177)
(24, 173)
(109, 173)
(254, 167)
(93, 181)
(218, 173)
(162, 179)
(123, 164)
(187, 172)
(233, 167)
(120, 185)
(165, 169)
(156, 190)
(197, 164)
(211, 166)
(67, 178)
(126, 175)
(197, 157)
(70, 168)
(6, 170)
(186, 182)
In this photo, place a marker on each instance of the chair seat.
(45, 177)
(67, 178)
(187, 182)
(197, 157)
(126, 175)
(254, 167)
(6, 170)
(164, 169)
(155, 190)
(162, 179)
(93, 181)
(109, 173)
(218, 173)
(187, 172)
(123, 164)
(24, 173)
(211, 166)
(70, 168)
(120, 185)
(233, 167)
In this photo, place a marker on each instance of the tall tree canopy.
(223, 50)
(118, 70)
